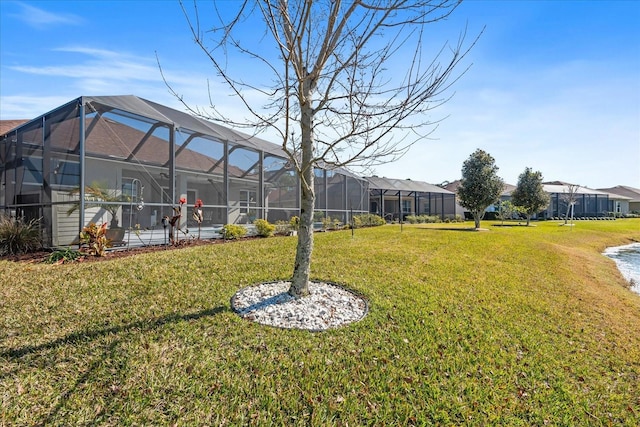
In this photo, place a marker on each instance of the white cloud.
(84, 70)
(575, 121)
(41, 19)
(24, 106)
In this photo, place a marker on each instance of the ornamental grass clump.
(18, 236)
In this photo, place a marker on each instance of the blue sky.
(553, 85)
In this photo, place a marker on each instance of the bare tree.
(570, 197)
(336, 97)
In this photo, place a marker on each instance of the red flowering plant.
(175, 221)
(197, 214)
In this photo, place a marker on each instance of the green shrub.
(369, 220)
(18, 236)
(336, 224)
(294, 223)
(94, 239)
(63, 255)
(282, 228)
(326, 222)
(429, 219)
(232, 231)
(264, 228)
(411, 219)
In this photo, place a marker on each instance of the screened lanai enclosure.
(394, 199)
(127, 161)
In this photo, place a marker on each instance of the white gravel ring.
(327, 306)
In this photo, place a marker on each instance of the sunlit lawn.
(513, 326)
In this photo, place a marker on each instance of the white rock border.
(328, 305)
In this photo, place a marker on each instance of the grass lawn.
(513, 326)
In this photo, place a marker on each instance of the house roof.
(564, 187)
(453, 186)
(631, 193)
(550, 187)
(164, 114)
(184, 120)
(405, 185)
(101, 140)
(7, 125)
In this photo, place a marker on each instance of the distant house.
(491, 211)
(623, 199)
(396, 198)
(588, 203)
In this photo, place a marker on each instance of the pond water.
(628, 260)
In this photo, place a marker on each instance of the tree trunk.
(300, 280)
(528, 219)
(476, 218)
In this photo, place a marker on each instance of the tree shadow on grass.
(453, 229)
(110, 352)
(84, 336)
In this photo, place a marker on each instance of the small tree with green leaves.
(507, 209)
(529, 193)
(480, 186)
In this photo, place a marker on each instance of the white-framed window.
(406, 206)
(130, 189)
(248, 201)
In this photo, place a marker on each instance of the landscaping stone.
(327, 306)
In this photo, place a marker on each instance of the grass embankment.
(515, 326)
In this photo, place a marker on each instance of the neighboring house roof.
(508, 189)
(453, 187)
(7, 125)
(633, 194)
(551, 187)
(560, 187)
(405, 185)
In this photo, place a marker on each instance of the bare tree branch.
(350, 84)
